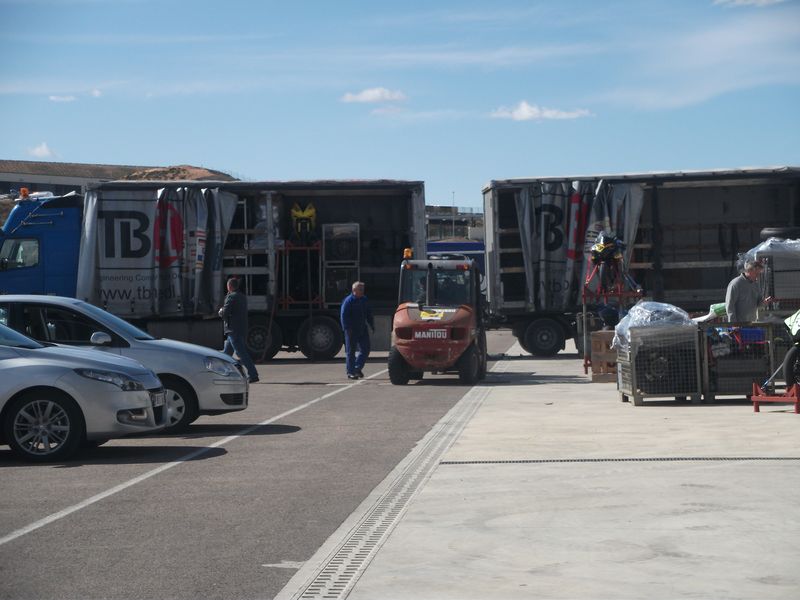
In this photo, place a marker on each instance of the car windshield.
(448, 287)
(9, 337)
(121, 326)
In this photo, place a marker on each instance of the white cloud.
(378, 94)
(532, 112)
(62, 98)
(735, 54)
(758, 3)
(41, 151)
(95, 93)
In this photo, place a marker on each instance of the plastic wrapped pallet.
(648, 317)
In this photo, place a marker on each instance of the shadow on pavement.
(532, 379)
(224, 430)
(119, 455)
(530, 357)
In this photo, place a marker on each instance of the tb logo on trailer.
(128, 234)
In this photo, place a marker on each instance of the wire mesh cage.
(737, 355)
(660, 362)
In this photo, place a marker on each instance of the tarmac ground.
(541, 484)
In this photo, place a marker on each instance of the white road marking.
(191, 456)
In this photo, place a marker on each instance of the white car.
(198, 380)
(55, 399)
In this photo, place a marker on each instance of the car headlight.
(219, 366)
(123, 382)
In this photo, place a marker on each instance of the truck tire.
(398, 368)
(263, 342)
(469, 365)
(786, 233)
(319, 338)
(521, 340)
(544, 337)
(791, 366)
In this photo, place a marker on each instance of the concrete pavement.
(550, 487)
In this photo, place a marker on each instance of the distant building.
(62, 178)
(453, 223)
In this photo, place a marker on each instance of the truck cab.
(39, 244)
(439, 325)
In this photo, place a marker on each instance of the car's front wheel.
(181, 404)
(43, 425)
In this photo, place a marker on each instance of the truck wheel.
(398, 368)
(264, 342)
(181, 404)
(416, 375)
(469, 366)
(521, 340)
(319, 338)
(791, 366)
(544, 337)
(43, 425)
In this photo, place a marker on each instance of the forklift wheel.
(469, 366)
(398, 368)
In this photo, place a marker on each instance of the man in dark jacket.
(234, 317)
(355, 317)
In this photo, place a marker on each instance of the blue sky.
(452, 93)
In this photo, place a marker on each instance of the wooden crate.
(604, 359)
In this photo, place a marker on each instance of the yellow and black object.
(304, 223)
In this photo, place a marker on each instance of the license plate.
(158, 398)
(430, 334)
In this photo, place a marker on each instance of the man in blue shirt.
(355, 316)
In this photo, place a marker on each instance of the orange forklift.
(439, 325)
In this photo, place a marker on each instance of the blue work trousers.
(356, 345)
(235, 343)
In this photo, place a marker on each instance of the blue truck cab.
(40, 244)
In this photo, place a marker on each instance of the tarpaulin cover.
(154, 252)
(772, 247)
(648, 314)
(552, 222)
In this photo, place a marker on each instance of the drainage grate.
(535, 461)
(350, 559)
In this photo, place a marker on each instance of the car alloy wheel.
(43, 426)
(181, 404)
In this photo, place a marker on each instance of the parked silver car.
(198, 380)
(54, 399)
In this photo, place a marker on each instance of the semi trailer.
(683, 233)
(157, 253)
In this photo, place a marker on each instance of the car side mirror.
(100, 338)
(3, 264)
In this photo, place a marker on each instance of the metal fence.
(660, 362)
(709, 360)
(736, 355)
